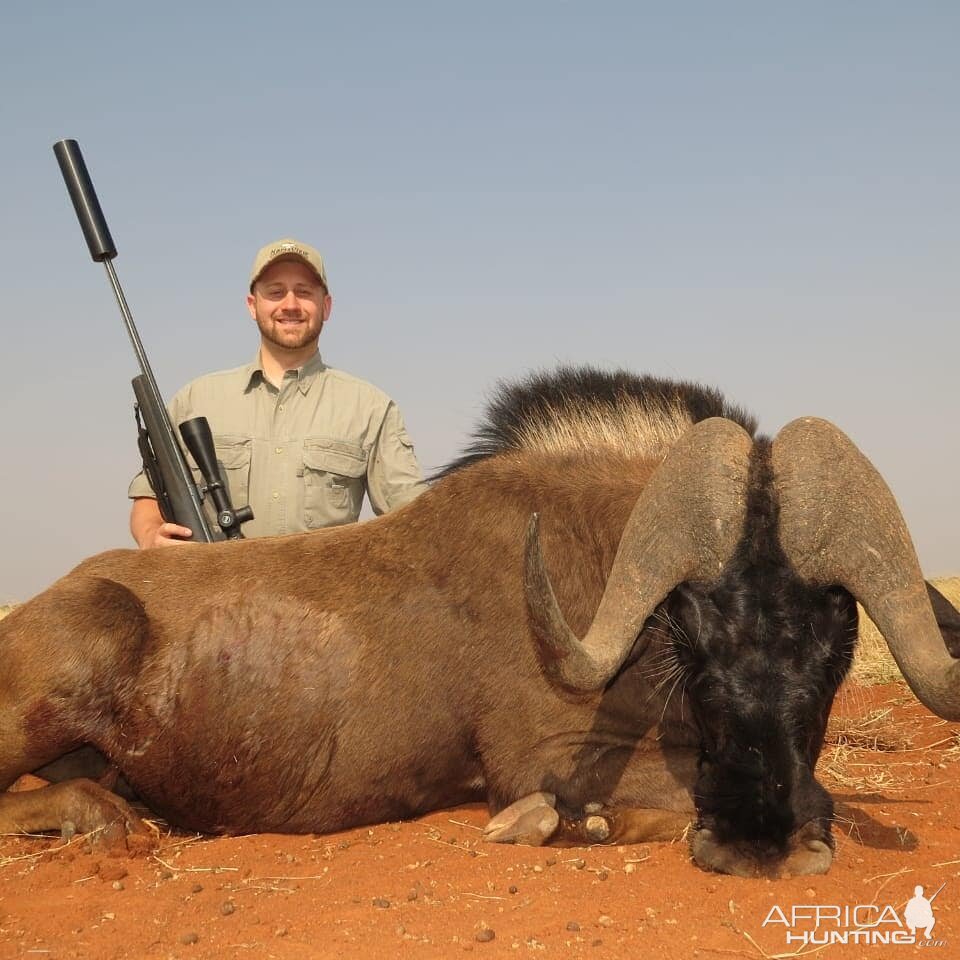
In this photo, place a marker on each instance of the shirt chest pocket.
(233, 458)
(233, 463)
(334, 474)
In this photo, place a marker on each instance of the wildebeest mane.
(581, 409)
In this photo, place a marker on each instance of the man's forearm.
(145, 520)
(149, 528)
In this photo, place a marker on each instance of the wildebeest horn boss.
(619, 611)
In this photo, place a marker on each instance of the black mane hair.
(568, 392)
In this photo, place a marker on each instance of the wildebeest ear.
(692, 613)
(948, 620)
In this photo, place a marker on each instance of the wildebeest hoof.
(597, 828)
(531, 820)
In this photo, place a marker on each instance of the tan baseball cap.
(285, 249)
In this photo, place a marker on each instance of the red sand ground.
(431, 889)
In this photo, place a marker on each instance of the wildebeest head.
(754, 553)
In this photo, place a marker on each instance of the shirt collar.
(306, 374)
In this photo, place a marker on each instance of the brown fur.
(352, 675)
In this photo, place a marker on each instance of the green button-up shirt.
(301, 455)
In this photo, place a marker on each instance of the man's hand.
(167, 535)
(149, 528)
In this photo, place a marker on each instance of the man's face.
(289, 304)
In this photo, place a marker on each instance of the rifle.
(178, 496)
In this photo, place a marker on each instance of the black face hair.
(765, 653)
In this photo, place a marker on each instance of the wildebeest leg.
(66, 656)
(533, 820)
(76, 806)
(628, 825)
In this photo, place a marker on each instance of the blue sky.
(761, 196)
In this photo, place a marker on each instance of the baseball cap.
(284, 249)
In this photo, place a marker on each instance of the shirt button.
(276, 496)
(279, 450)
(280, 408)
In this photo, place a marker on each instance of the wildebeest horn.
(839, 523)
(684, 526)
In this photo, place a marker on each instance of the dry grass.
(873, 663)
(857, 749)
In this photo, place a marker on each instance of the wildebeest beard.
(763, 654)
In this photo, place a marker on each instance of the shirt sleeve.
(394, 476)
(177, 408)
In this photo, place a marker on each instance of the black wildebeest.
(431, 656)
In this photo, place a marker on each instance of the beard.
(290, 335)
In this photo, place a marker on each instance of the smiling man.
(298, 441)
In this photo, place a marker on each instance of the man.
(919, 912)
(298, 441)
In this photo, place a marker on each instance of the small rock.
(196, 888)
(550, 862)
(573, 926)
(512, 888)
(593, 807)
(810, 892)
(602, 875)
(485, 935)
(413, 893)
(280, 932)
(227, 907)
(166, 874)
(381, 902)
(537, 868)
(597, 943)
(578, 864)
(604, 920)
(117, 884)
(629, 867)
(188, 938)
